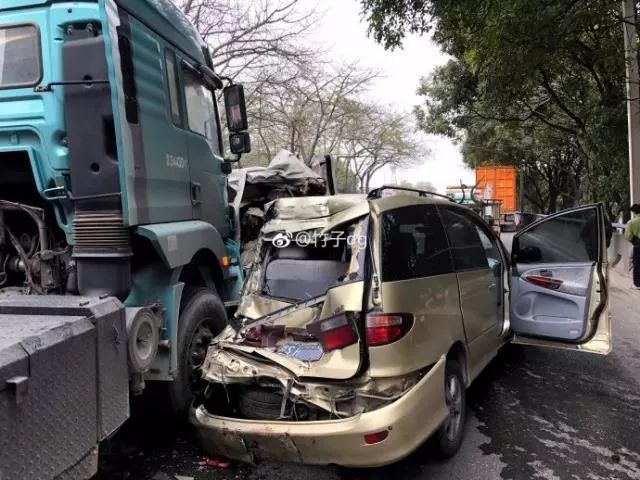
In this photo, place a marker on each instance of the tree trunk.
(292, 140)
(554, 192)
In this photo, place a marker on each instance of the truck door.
(151, 150)
(559, 282)
(208, 183)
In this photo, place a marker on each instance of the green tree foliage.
(538, 84)
(345, 179)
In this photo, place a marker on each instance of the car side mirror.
(527, 255)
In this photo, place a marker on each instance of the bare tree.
(296, 98)
(249, 37)
(378, 138)
(307, 113)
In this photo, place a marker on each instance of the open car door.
(559, 279)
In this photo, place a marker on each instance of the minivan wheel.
(451, 432)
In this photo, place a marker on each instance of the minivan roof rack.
(377, 192)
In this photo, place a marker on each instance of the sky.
(342, 30)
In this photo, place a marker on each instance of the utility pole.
(633, 95)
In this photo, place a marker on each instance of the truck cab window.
(201, 112)
(19, 56)
(172, 82)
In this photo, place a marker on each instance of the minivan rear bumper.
(409, 421)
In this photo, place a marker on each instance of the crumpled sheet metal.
(314, 213)
(302, 208)
(284, 169)
(223, 365)
(254, 306)
(227, 364)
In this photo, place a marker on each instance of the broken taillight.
(334, 333)
(385, 328)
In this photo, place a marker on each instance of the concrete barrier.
(620, 252)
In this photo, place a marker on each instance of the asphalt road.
(534, 413)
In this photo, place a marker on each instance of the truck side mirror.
(529, 254)
(236, 108)
(237, 122)
(240, 143)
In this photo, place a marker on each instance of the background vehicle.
(493, 196)
(115, 232)
(342, 346)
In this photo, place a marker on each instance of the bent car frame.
(355, 352)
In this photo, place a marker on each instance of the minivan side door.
(559, 282)
(479, 272)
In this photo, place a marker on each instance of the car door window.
(466, 247)
(570, 237)
(558, 281)
(414, 244)
(490, 248)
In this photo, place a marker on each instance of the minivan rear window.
(414, 244)
(305, 265)
(19, 56)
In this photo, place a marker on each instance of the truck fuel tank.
(63, 383)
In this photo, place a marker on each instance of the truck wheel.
(450, 434)
(202, 317)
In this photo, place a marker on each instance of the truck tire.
(202, 317)
(451, 432)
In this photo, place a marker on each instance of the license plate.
(305, 352)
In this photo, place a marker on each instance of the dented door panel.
(437, 324)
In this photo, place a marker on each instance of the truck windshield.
(19, 56)
(304, 265)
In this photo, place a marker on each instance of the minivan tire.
(202, 317)
(451, 432)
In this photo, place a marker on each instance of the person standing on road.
(632, 233)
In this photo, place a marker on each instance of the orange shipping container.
(499, 183)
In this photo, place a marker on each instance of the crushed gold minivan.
(364, 320)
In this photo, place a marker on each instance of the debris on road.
(214, 462)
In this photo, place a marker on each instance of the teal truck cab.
(114, 221)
